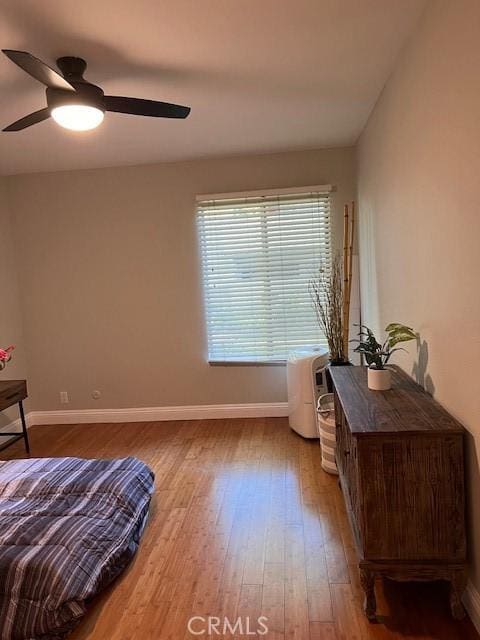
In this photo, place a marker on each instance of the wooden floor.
(243, 523)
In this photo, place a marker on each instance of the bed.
(68, 527)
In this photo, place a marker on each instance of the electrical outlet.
(64, 397)
(96, 394)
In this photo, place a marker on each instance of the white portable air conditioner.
(305, 384)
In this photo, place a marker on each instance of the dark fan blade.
(27, 121)
(139, 107)
(38, 69)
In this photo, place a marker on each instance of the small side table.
(14, 392)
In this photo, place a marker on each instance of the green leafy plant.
(377, 355)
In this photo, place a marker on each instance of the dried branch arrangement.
(326, 290)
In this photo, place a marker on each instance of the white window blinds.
(259, 253)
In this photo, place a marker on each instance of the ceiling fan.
(75, 103)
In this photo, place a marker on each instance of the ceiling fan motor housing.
(72, 68)
(84, 94)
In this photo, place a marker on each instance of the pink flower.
(6, 354)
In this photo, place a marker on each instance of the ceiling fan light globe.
(77, 117)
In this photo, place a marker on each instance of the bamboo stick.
(350, 272)
(345, 275)
(350, 253)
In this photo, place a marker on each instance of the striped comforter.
(67, 527)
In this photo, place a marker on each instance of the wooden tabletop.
(404, 407)
(11, 385)
(12, 392)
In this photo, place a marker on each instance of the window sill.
(253, 363)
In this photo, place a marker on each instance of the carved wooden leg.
(367, 580)
(458, 583)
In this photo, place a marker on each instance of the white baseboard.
(159, 414)
(471, 600)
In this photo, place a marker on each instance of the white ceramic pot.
(379, 379)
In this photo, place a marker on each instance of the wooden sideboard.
(400, 462)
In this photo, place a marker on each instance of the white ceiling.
(260, 75)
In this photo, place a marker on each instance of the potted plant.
(5, 356)
(377, 355)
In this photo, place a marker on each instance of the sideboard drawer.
(347, 463)
(413, 497)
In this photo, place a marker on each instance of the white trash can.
(327, 432)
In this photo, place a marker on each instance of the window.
(259, 252)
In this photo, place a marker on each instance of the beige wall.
(419, 194)
(110, 280)
(10, 315)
